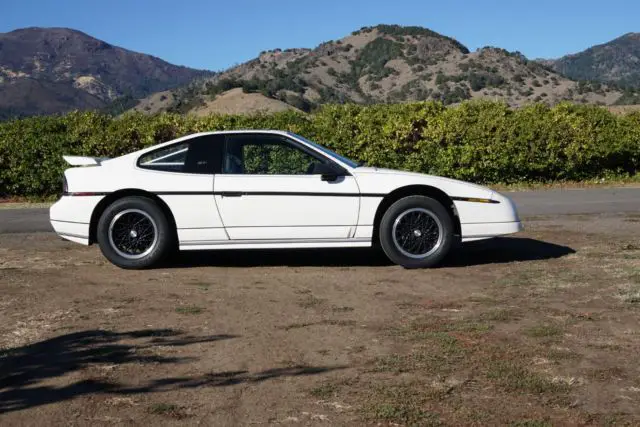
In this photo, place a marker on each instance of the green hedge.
(484, 142)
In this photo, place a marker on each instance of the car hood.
(389, 179)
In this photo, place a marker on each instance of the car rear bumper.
(75, 232)
(70, 217)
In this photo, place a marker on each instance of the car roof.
(220, 132)
(240, 131)
(143, 151)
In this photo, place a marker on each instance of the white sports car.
(267, 189)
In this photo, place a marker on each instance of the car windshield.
(330, 153)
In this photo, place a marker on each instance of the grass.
(25, 205)
(540, 279)
(400, 363)
(310, 302)
(329, 389)
(201, 285)
(606, 373)
(531, 423)
(162, 408)
(403, 413)
(442, 354)
(324, 391)
(330, 322)
(615, 181)
(631, 293)
(438, 345)
(631, 246)
(634, 275)
(189, 309)
(345, 309)
(167, 410)
(403, 404)
(559, 355)
(513, 377)
(431, 327)
(500, 315)
(543, 331)
(438, 352)
(522, 278)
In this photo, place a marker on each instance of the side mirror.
(327, 172)
(329, 177)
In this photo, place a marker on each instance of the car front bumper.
(471, 232)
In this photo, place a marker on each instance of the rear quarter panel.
(195, 214)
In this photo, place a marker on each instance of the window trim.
(155, 161)
(286, 139)
(343, 161)
(187, 141)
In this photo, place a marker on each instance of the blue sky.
(218, 34)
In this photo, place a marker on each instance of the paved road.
(579, 201)
(24, 220)
(548, 202)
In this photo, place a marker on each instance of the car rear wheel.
(416, 232)
(134, 233)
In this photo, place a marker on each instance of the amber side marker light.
(475, 200)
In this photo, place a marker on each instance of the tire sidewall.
(402, 205)
(163, 244)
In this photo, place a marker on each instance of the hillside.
(390, 63)
(234, 101)
(53, 70)
(615, 62)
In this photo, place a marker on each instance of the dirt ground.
(533, 330)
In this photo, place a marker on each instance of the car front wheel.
(416, 232)
(133, 233)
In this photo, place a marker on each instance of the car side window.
(266, 155)
(200, 155)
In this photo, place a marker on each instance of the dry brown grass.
(235, 101)
(624, 109)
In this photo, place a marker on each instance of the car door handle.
(231, 194)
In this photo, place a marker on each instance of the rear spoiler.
(84, 161)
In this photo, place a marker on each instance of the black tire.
(134, 218)
(417, 247)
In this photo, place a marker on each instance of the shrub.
(480, 141)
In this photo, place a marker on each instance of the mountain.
(615, 62)
(53, 70)
(387, 63)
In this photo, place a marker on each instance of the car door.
(271, 188)
(182, 175)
